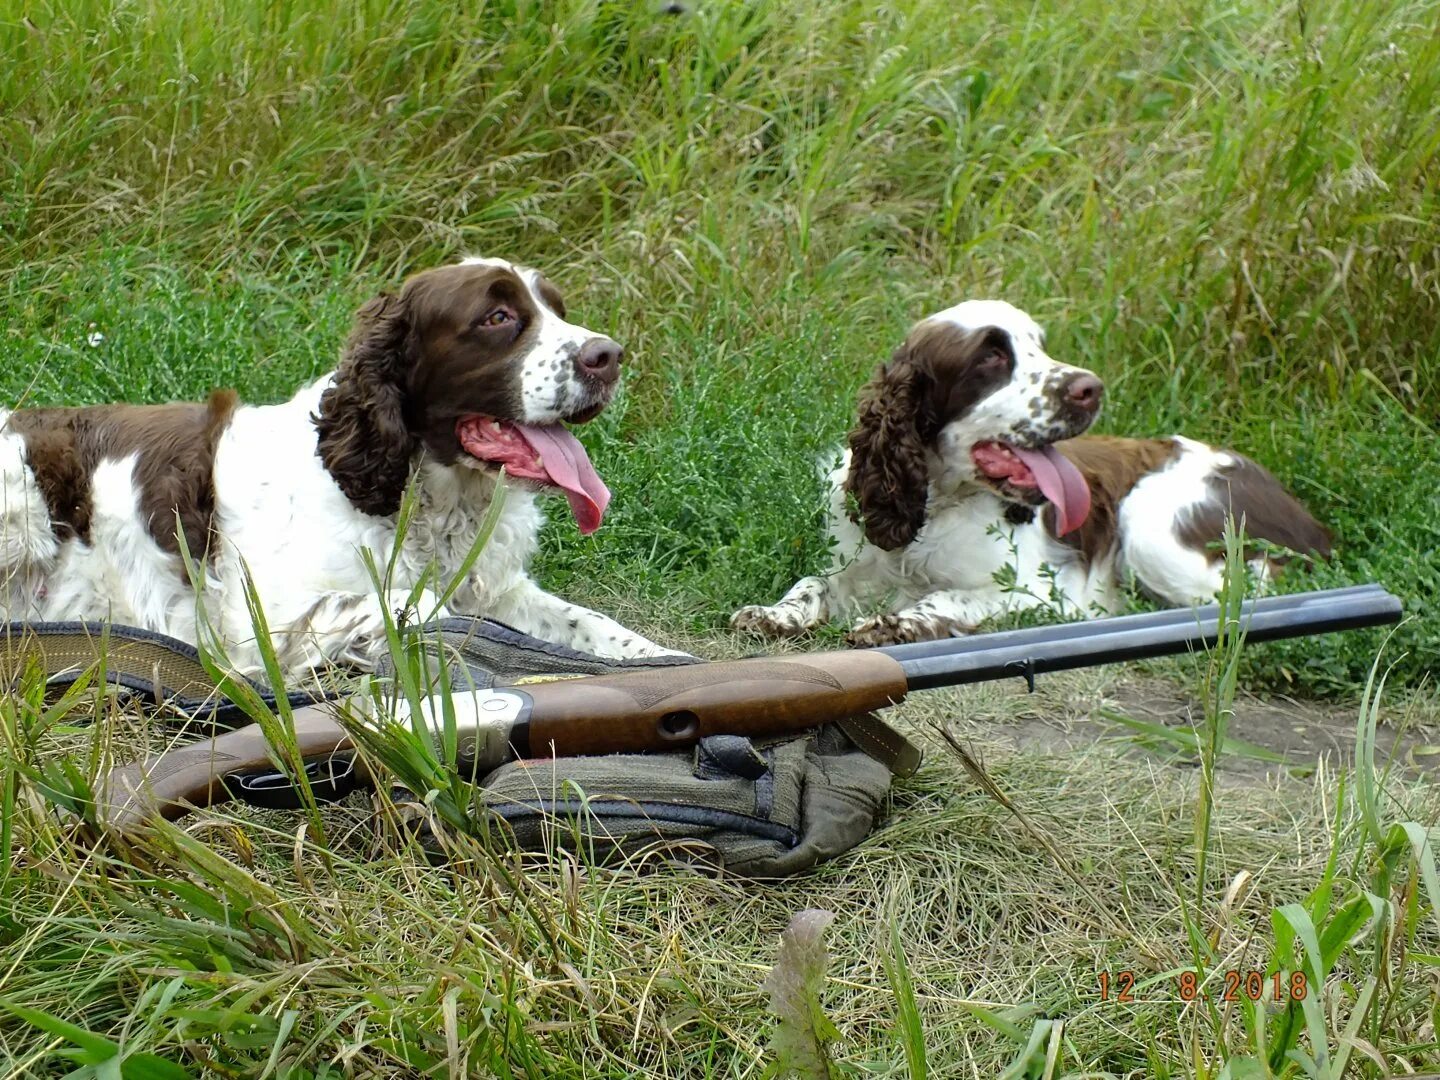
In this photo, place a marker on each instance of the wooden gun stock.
(672, 707)
(626, 712)
(190, 777)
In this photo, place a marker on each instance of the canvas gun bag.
(758, 808)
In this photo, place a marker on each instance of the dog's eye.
(498, 317)
(995, 360)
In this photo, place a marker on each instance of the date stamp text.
(1232, 986)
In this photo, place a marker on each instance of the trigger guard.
(331, 778)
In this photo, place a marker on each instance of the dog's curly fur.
(364, 440)
(887, 478)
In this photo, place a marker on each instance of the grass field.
(1230, 212)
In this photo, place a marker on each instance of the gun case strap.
(883, 743)
(162, 671)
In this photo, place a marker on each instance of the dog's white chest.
(960, 547)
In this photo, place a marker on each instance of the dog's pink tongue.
(568, 467)
(1060, 482)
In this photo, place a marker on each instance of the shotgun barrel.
(1091, 628)
(671, 708)
(1140, 637)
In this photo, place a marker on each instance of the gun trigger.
(1026, 670)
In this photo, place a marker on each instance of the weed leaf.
(802, 1031)
(909, 1030)
(1423, 841)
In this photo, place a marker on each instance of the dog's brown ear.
(364, 441)
(888, 478)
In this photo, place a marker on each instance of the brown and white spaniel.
(967, 492)
(468, 370)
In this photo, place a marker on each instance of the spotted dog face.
(970, 399)
(491, 340)
(1018, 400)
(476, 364)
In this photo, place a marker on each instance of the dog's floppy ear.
(888, 477)
(364, 441)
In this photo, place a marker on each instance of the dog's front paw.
(775, 622)
(900, 629)
(884, 630)
(648, 650)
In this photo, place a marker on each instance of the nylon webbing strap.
(883, 743)
(164, 671)
(65, 648)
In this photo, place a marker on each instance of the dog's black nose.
(1084, 392)
(599, 358)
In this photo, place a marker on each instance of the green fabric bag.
(760, 810)
(756, 808)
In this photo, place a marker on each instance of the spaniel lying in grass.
(468, 370)
(968, 491)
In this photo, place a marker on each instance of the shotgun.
(672, 708)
